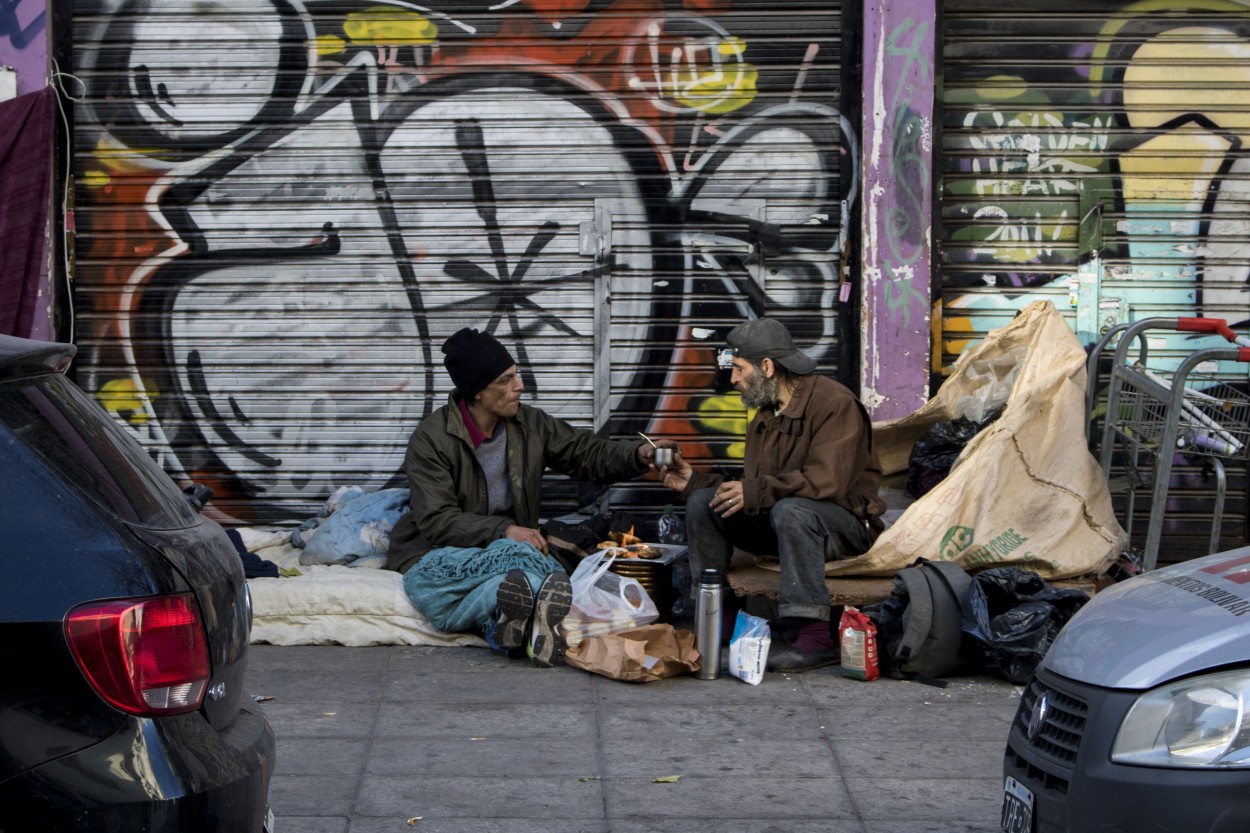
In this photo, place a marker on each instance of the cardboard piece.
(640, 655)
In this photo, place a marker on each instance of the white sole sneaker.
(516, 605)
(555, 598)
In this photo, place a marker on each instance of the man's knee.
(789, 512)
(698, 505)
(802, 533)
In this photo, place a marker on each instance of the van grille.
(1055, 743)
(1059, 738)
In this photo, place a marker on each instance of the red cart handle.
(1205, 325)
(1212, 325)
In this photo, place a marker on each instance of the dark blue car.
(124, 629)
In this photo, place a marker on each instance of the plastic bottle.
(1205, 443)
(707, 637)
(672, 530)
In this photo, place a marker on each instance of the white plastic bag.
(604, 602)
(748, 650)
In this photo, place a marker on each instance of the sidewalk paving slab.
(459, 739)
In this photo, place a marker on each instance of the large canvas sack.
(1025, 491)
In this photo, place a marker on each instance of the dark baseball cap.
(768, 338)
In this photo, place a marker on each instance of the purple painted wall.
(898, 203)
(24, 42)
(28, 296)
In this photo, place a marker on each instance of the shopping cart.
(1153, 413)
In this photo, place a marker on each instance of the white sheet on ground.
(334, 605)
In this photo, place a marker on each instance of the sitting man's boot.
(813, 648)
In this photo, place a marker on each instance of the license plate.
(1017, 807)
(268, 828)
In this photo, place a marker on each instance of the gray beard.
(762, 392)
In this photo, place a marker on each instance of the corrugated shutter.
(1092, 154)
(285, 207)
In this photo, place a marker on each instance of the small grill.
(655, 578)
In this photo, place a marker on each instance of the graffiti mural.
(292, 204)
(1105, 172)
(1123, 142)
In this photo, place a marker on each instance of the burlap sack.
(1025, 491)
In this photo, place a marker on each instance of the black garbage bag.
(935, 452)
(1012, 618)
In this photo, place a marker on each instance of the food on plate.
(631, 550)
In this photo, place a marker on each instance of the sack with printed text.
(1025, 491)
(748, 649)
(857, 637)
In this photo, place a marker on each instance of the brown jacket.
(820, 447)
(449, 502)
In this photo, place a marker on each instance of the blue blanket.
(354, 528)
(455, 587)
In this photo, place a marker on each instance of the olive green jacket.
(449, 504)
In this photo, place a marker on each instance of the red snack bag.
(857, 637)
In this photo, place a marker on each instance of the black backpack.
(919, 627)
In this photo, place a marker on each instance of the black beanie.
(474, 359)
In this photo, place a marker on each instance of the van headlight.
(1199, 722)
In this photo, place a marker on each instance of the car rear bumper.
(174, 774)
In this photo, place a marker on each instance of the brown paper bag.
(640, 655)
(1025, 492)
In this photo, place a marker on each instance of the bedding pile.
(333, 604)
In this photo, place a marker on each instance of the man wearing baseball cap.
(809, 487)
(469, 546)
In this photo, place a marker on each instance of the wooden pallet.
(746, 579)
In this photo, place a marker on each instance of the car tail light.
(144, 656)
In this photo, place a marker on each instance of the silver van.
(1138, 717)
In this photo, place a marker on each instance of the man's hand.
(678, 474)
(728, 498)
(526, 535)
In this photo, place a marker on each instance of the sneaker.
(516, 605)
(555, 598)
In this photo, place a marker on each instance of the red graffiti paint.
(556, 10)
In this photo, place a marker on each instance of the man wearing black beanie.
(470, 546)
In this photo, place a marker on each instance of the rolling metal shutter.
(1092, 154)
(285, 207)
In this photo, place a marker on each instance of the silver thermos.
(707, 624)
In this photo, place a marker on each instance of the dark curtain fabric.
(26, 128)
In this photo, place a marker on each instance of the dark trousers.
(802, 533)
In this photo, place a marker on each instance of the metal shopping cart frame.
(1152, 413)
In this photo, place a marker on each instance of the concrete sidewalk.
(464, 741)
